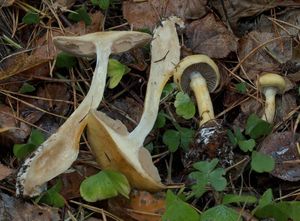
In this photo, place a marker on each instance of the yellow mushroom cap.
(193, 64)
(273, 80)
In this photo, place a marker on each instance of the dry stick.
(31, 105)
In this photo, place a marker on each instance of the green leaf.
(206, 166)
(281, 211)
(232, 198)
(216, 179)
(36, 137)
(26, 88)
(52, 197)
(233, 140)
(186, 137)
(220, 213)
(31, 18)
(168, 89)
(103, 4)
(265, 199)
(247, 145)
(65, 60)
(256, 127)
(178, 210)
(21, 151)
(104, 185)
(160, 120)
(80, 15)
(207, 175)
(184, 106)
(239, 135)
(241, 87)
(115, 71)
(261, 162)
(171, 138)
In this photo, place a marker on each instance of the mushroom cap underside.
(85, 45)
(113, 150)
(273, 80)
(197, 64)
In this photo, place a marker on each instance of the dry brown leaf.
(147, 14)
(234, 10)
(5, 171)
(45, 50)
(282, 147)
(211, 37)
(5, 3)
(141, 205)
(264, 59)
(15, 209)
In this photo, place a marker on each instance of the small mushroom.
(114, 147)
(271, 84)
(58, 152)
(200, 74)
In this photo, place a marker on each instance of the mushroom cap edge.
(272, 80)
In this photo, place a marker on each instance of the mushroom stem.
(205, 107)
(269, 112)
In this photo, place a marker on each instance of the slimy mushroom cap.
(273, 80)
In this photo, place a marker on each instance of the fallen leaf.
(283, 148)
(45, 50)
(141, 205)
(265, 59)
(5, 171)
(211, 37)
(234, 10)
(5, 3)
(19, 132)
(16, 209)
(147, 14)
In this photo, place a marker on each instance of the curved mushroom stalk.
(111, 143)
(271, 84)
(57, 153)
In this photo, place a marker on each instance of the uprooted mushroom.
(114, 147)
(58, 152)
(200, 74)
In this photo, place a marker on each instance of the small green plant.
(65, 60)
(31, 18)
(103, 4)
(36, 138)
(26, 88)
(241, 87)
(255, 128)
(116, 71)
(184, 106)
(104, 185)
(178, 210)
(52, 197)
(80, 14)
(207, 174)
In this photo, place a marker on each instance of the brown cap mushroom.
(200, 74)
(60, 150)
(270, 84)
(109, 139)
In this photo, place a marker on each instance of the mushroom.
(114, 147)
(270, 84)
(58, 152)
(200, 74)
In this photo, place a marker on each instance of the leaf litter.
(245, 39)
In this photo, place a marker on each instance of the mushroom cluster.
(114, 147)
(60, 150)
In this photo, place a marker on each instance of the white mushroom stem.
(64, 144)
(205, 107)
(164, 57)
(269, 112)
